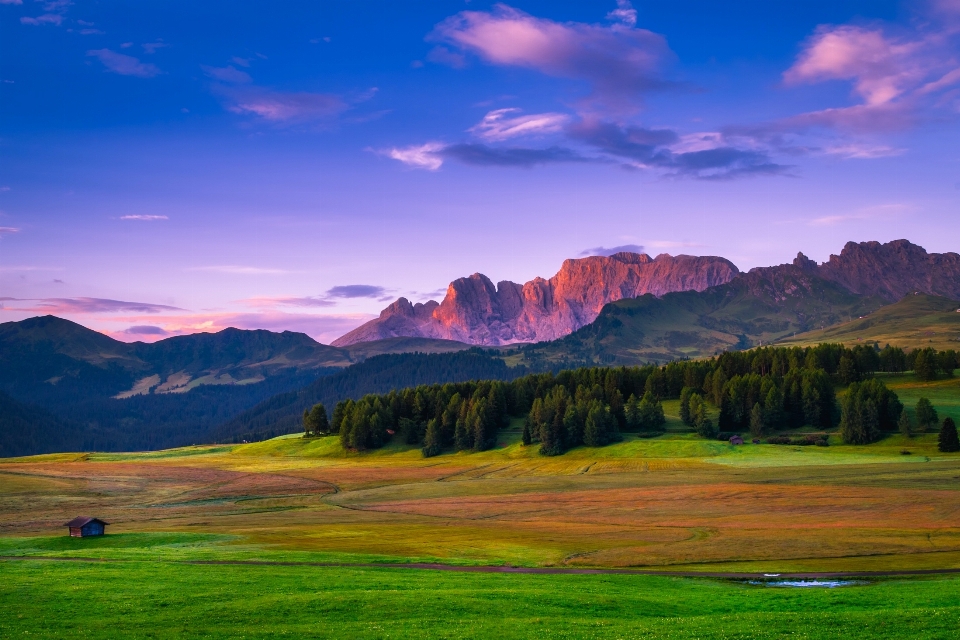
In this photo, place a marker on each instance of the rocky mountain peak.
(477, 312)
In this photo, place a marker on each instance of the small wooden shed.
(83, 526)
(736, 440)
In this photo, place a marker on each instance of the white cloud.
(241, 270)
(423, 156)
(496, 126)
(140, 216)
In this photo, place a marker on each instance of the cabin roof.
(81, 521)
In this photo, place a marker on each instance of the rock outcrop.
(893, 270)
(477, 312)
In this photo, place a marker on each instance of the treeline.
(282, 414)
(760, 390)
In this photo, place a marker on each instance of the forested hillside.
(761, 391)
(380, 374)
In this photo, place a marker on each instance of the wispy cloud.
(421, 156)
(609, 251)
(86, 306)
(709, 156)
(284, 107)
(242, 270)
(5, 231)
(145, 330)
(288, 301)
(618, 61)
(356, 291)
(124, 65)
(142, 216)
(498, 125)
(152, 47)
(227, 74)
(865, 213)
(47, 18)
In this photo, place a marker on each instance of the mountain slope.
(27, 430)
(381, 374)
(916, 321)
(892, 270)
(475, 311)
(756, 307)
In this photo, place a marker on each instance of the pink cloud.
(881, 68)
(85, 306)
(498, 125)
(124, 65)
(618, 61)
(423, 156)
(287, 301)
(277, 106)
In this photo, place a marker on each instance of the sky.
(172, 167)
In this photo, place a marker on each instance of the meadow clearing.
(671, 503)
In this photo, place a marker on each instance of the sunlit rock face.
(476, 311)
(893, 270)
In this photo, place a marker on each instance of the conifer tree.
(525, 438)
(432, 440)
(948, 442)
(905, 425)
(685, 417)
(757, 426)
(926, 414)
(651, 413)
(631, 412)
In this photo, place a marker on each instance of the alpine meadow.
(480, 320)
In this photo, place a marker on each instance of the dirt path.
(808, 575)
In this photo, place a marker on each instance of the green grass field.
(673, 503)
(159, 600)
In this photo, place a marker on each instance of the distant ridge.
(475, 311)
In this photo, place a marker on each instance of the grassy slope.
(62, 600)
(914, 322)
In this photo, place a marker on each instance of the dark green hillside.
(757, 307)
(380, 374)
(916, 322)
(26, 430)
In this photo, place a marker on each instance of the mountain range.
(476, 312)
(82, 389)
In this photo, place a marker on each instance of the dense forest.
(761, 391)
(377, 375)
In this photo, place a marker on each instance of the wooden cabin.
(736, 440)
(83, 526)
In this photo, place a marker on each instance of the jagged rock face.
(893, 270)
(477, 312)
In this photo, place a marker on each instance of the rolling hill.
(917, 321)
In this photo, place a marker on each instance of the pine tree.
(432, 440)
(525, 438)
(757, 426)
(685, 417)
(631, 413)
(905, 424)
(651, 413)
(926, 414)
(948, 442)
(847, 370)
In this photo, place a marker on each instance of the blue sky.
(168, 167)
